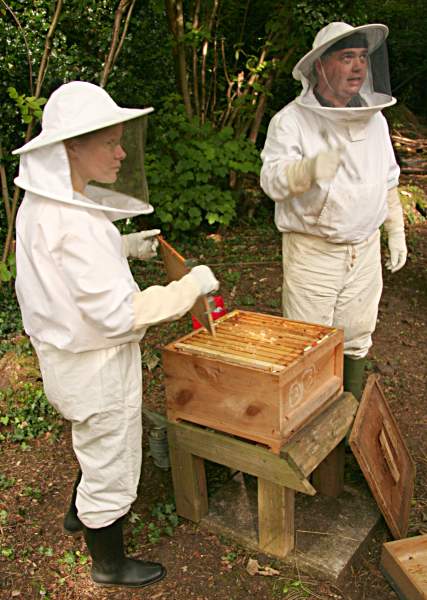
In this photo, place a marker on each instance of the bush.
(188, 169)
(26, 414)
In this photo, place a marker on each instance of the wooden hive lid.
(254, 339)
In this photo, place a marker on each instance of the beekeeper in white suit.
(329, 165)
(82, 309)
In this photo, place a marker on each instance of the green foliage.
(72, 559)
(230, 557)
(231, 277)
(164, 523)
(6, 482)
(7, 552)
(33, 493)
(414, 202)
(45, 550)
(30, 107)
(25, 414)
(8, 268)
(10, 316)
(188, 169)
(248, 300)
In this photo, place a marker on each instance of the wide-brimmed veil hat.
(76, 108)
(375, 35)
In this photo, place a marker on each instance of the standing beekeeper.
(83, 310)
(329, 165)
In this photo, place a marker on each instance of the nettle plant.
(190, 167)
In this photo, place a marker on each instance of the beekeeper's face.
(340, 74)
(96, 156)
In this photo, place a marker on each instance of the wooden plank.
(404, 564)
(328, 478)
(275, 518)
(189, 481)
(239, 455)
(175, 269)
(312, 444)
(387, 466)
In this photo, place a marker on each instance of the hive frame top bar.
(255, 339)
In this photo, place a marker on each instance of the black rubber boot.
(72, 523)
(354, 371)
(110, 566)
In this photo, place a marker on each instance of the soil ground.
(48, 564)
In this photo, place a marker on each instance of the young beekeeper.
(329, 165)
(82, 309)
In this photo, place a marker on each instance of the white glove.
(302, 174)
(325, 165)
(398, 251)
(206, 280)
(395, 228)
(141, 245)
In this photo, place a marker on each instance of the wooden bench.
(317, 450)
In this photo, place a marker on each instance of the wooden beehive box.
(261, 377)
(404, 565)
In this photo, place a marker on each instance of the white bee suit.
(331, 244)
(85, 316)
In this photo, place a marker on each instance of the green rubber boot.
(72, 523)
(354, 371)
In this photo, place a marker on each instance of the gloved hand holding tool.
(205, 278)
(177, 268)
(142, 244)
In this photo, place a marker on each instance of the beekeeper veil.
(346, 74)
(109, 143)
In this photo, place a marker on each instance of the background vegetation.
(214, 71)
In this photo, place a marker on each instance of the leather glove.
(395, 228)
(141, 245)
(302, 174)
(205, 279)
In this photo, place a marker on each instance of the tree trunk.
(176, 25)
(117, 39)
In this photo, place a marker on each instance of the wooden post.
(275, 518)
(328, 478)
(189, 481)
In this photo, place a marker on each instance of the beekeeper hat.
(76, 108)
(375, 34)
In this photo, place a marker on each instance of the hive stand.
(315, 449)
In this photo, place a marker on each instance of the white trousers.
(331, 284)
(100, 392)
